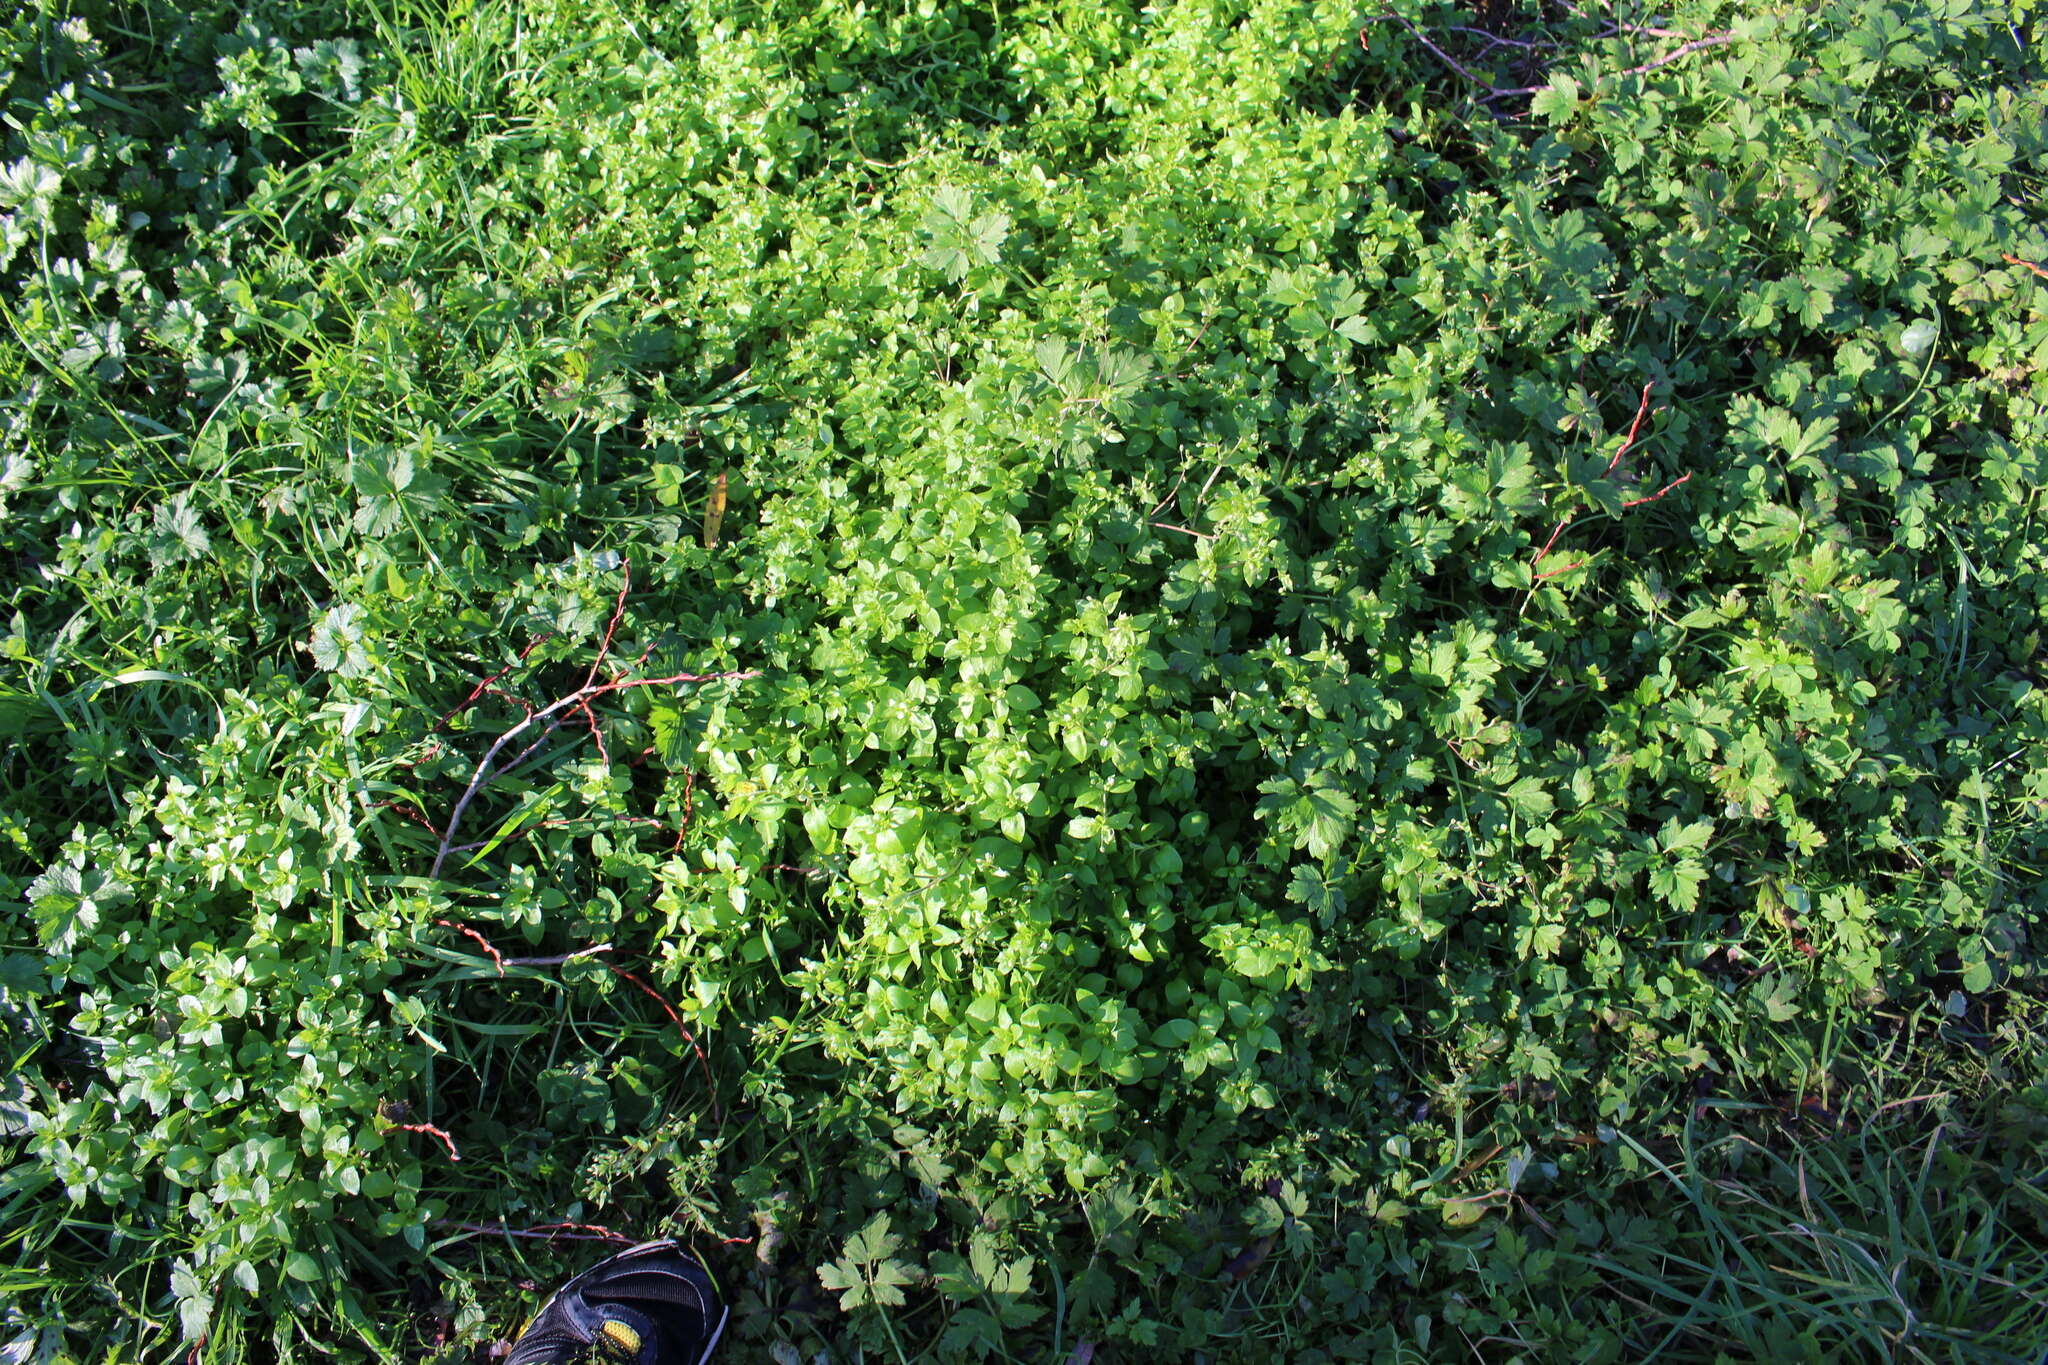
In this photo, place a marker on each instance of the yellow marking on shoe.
(620, 1339)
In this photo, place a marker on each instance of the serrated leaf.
(887, 1281)
(845, 1280)
(1678, 882)
(176, 534)
(1557, 102)
(954, 1276)
(67, 901)
(960, 242)
(971, 1329)
(1677, 836)
(1531, 800)
(873, 1242)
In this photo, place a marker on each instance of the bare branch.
(1696, 45)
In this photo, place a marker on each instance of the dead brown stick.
(551, 713)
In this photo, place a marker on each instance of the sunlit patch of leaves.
(1376, 666)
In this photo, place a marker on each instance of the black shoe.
(650, 1305)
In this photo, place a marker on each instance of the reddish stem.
(1635, 429)
(409, 813)
(590, 717)
(485, 685)
(1638, 502)
(658, 998)
(431, 1131)
(611, 627)
(1555, 532)
(481, 941)
(689, 807)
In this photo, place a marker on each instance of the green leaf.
(1678, 882)
(1530, 799)
(1173, 1033)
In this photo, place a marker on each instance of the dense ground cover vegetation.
(1245, 679)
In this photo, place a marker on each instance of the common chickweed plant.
(1241, 680)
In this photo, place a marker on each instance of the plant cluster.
(1249, 677)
